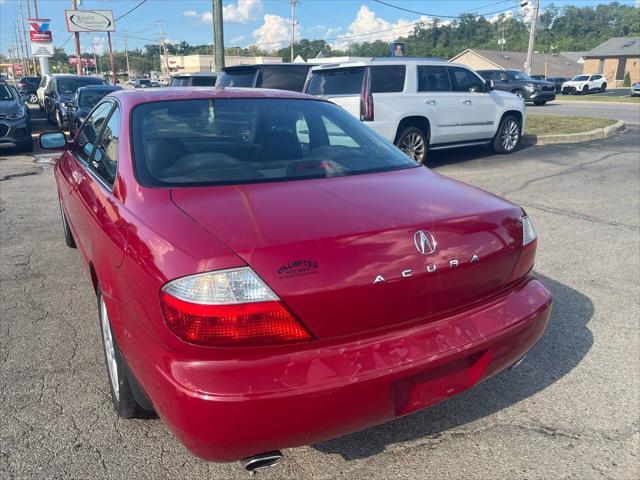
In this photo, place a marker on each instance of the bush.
(627, 80)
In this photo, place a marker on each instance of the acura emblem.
(424, 242)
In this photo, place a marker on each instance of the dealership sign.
(42, 49)
(39, 31)
(90, 21)
(86, 62)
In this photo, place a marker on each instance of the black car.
(142, 83)
(283, 76)
(199, 79)
(60, 91)
(521, 84)
(27, 87)
(83, 102)
(15, 124)
(558, 81)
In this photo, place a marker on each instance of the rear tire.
(68, 236)
(414, 143)
(585, 90)
(507, 137)
(603, 88)
(122, 397)
(26, 146)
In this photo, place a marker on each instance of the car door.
(434, 97)
(104, 228)
(74, 165)
(475, 107)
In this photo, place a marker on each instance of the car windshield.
(5, 92)
(234, 141)
(518, 75)
(238, 78)
(580, 78)
(89, 98)
(70, 85)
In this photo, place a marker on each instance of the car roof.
(101, 87)
(130, 98)
(196, 74)
(387, 61)
(256, 66)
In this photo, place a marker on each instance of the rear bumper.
(228, 409)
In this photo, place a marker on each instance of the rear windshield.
(179, 82)
(238, 78)
(203, 81)
(90, 98)
(70, 85)
(287, 77)
(342, 81)
(233, 141)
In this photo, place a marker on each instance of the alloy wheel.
(510, 135)
(413, 146)
(109, 349)
(519, 94)
(33, 98)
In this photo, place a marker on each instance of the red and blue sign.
(39, 31)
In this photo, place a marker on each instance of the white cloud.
(368, 27)
(242, 12)
(235, 41)
(499, 16)
(98, 44)
(275, 32)
(322, 31)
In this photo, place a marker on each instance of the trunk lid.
(320, 244)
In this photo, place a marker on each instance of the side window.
(284, 78)
(463, 80)
(387, 78)
(337, 136)
(88, 134)
(105, 158)
(433, 79)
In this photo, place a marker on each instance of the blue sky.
(262, 22)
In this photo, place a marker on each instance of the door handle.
(466, 102)
(430, 102)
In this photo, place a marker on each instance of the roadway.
(629, 112)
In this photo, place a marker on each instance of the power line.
(129, 11)
(443, 16)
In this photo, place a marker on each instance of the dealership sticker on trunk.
(298, 267)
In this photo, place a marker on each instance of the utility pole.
(26, 44)
(294, 4)
(532, 33)
(218, 34)
(502, 40)
(76, 35)
(164, 48)
(21, 47)
(126, 54)
(35, 6)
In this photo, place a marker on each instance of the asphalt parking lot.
(569, 411)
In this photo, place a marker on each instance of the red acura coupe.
(270, 272)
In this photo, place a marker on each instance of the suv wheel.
(122, 397)
(603, 88)
(32, 98)
(508, 136)
(414, 143)
(60, 123)
(540, 102)
(518, 93)
(585, 90)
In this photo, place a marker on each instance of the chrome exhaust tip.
(261, 461)
(517, 363)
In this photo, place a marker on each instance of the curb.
(574, 137)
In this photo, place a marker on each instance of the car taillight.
(366, 98)
(528, 253)
(228, 308)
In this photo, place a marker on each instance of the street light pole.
(532, 36)
(294, 4)
(218, 34)
(76, 35)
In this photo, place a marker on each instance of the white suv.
(423, 105)
(585, 84)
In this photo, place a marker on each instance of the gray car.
(522, 85)
(15, 124)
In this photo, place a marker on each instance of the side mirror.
(52, 141)
(490, 86)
